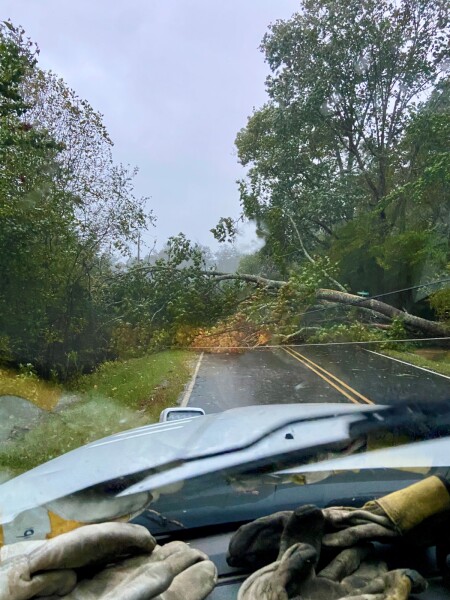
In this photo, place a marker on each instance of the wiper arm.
(423, 420)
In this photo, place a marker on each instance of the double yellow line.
(339, 385)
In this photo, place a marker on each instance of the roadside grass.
(27, 385)
(58, 433)
(438, 361)
(118, 396)
(149, 383)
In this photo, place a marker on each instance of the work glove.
(260, 542)
(418, 515)
(293, 576)
(105, 562)
(402, 513)
(349, 575)
(257, 543)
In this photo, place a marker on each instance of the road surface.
(312, 374)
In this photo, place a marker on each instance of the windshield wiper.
(423, 420)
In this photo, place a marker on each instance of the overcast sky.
(175, 80)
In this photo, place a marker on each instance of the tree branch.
(310, 258)
(428, 327)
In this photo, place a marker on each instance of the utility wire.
(413, 287)
(272, 346)
(268, 346)
(364, 299)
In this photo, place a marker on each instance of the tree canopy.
(63, 203)
(338, 162)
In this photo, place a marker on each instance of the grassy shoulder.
(438, 361)
(118, 396)
(26, 384)
(147, 384)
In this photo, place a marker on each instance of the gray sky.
(175, 80)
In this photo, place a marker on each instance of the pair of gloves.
(119, 561)
(286, 547)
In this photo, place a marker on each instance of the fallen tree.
(430, 328)
(371, 306)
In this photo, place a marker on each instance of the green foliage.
(440, 302)
(349, 157)
(225, 230)
(18, 58)
(281, 311)
(397, 329)
(117, 397)
(155, 302)
(356, 332)
(362, 332)
(259, 263)
(62, 202)
(299, 292)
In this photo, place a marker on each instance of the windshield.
(237, 207)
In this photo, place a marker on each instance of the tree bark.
(257, 279)
(429, 327)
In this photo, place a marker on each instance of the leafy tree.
(62, 203)
(415, 248)
(347, 79)
(165, 300)
(259, 263)
(107, 213)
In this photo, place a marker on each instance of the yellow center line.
(305, 364)
(339, 381)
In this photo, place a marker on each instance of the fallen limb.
(429, 327)
(376, 307)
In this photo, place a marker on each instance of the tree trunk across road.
(429, 327)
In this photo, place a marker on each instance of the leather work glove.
(349, 575)
(418, 515)
(105, 562)
(257, 543)
(171, 572)
(293, 576)
(260, 542)
(390, 517)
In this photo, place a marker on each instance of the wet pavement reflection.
(272, 376)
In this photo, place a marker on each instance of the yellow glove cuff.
(412, 505)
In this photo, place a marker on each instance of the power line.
(365, 299)
(274, 346)
(414, 287)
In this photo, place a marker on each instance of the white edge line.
(188, 392)
(407, 363)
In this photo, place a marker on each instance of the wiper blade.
(423, 420)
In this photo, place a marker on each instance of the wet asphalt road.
(267, 376)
